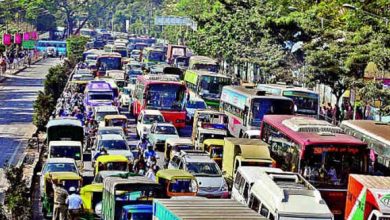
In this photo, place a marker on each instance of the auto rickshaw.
(174, 146)
(214, 147)
(142, 211)
(91, 195)
(177, 182)
(67, 179)
(111, 162)
(116, 121)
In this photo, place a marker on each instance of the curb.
(3, 78)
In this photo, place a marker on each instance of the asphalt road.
(17, 94)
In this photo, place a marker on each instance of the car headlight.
(224, 187)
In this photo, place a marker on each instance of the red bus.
(161, 92)
(319, 151)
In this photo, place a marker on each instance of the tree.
(43, 108)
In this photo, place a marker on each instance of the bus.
(246, 108)
(111, 48)
(207, 85)
(161, 92)
(319, 151)
(58, 46)
(151, 56)
(306, 102)
(108, 61)
(376, 135)
(203, 63)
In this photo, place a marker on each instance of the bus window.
(264, 211)
(246, 191)
(237, 181)
(254, 203)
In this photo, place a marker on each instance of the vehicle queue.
(261, 146)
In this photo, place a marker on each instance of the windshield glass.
(113, 144)
(156, 56)
(100, 96)
(73, 152)
(165, 130)
(114, 166)
(330, 166)
(216, 152)
(111, 131)
(60, 167)
(100, 115)
(208, 67)
(150, 119)
(139, 216)
(196, 104)
(212, 85)
(109, 63)
(181, 185)
(306, 103)
(198, 168)
(165, 97)
(261, 107)
(118, 123)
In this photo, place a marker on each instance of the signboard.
(233, 98)
(175, 21)
(30, 44)
(18, 38)
(7, 39)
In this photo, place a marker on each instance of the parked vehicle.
(214, 147)
(111, 163)
(368, 197)
(194, 208)
(285, 195)
(177, 182)
(239, 152)
(206, 171)
(160, 132)
(67, 149)
(174, 146)
(119, 192)
(145, 120)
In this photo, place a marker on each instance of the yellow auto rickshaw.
(116, 121)
(91, 195)
(174, 146)
(177, 182)
(66, 179)
(214, 147)
(111, 162)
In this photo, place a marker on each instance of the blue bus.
(56, 46)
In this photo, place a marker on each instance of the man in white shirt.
(75, 204)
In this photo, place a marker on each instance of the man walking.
(60, 196)
(75, 204)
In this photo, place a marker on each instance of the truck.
(368, 197)
(194, 208)
(243, 152)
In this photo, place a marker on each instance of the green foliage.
(2, 213)
(75, 46)
(55, 81)
(43, 107)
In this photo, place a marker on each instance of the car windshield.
(205, 136)
(212, 85)
(118, 123)
(156, 56)
(100, 115)
(60, 167)
(110, 131)
(165, 96)
(150, 119)
(269, 106)
(73, 152)
(199, 168)
(208, 67)
(109, 63)
(196, 104)
(114, 144)
(165, 130)
(100, 96)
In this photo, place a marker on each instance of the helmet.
(72, 189)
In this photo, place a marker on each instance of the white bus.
(286, 196)
(307, 102)
(245, 108)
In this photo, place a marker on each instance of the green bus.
(207, 85)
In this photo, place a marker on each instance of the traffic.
(147, 130)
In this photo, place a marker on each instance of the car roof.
(111, 137)
(106, 108)
(110, 129)
(152, 112)
(60, 160)
(62, 143)
(164, 124)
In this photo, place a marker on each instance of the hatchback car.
(160, 132)
(115, 144)
(145, 120)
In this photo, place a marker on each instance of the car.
(111, 130)
(115, 144)
(206, 171)
(160, 132)
(192, 105)
(56, 165)
(101, 175)
(135, 54)
(100, 111)
(145, 120)
(124, 97)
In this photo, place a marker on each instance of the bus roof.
(254, 93)
(289, 87)
(377, 130)
(202, 59)
(289, 194)
(98, 86)
(153, 79)
(206, 73)
(309, 138)
(110, 54)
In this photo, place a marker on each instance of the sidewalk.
(15, 69)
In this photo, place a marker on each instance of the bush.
(56, 81)
(75, 46)
(43, 107)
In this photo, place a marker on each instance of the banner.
(30, 44)
(18, 38)
(26, 36)
(34, 35)
(7, 39)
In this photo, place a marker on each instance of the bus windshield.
(208, 67)
(261, 107)
(330, 165)
(156, 56)
(306, 104)
(212, 85)
(110, 63)
(165, 97)
(100, 96)
(73, 152)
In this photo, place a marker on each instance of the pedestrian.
(29, 58)
(3, 64)
(75, 204)
(60, 196)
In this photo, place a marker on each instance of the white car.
(53, 165)
(115, 144)
(101, 111)
(145, 120)
(125, 96)
(192, 105)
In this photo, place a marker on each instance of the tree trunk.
(81, 25)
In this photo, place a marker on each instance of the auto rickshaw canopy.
(115, 117)
(171, 174)
(60, 176)
(111, 158)
(215, 142)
